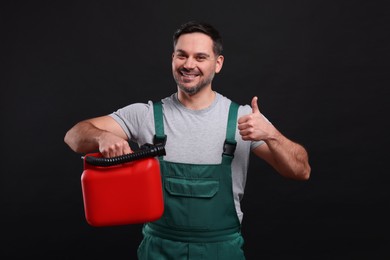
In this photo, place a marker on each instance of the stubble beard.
(194, 89)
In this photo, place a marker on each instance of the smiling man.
(194, 64)
(208, 139)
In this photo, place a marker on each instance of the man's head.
(200, 27)
(196, 56)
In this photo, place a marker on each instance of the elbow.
(70, 141)
(67, 138)
(303, 171)
(304, 174)
(301, 174)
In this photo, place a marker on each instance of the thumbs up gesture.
(254, 126)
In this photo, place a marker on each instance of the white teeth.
(189, 75)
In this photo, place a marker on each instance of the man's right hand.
(111, 145)
(99, 133)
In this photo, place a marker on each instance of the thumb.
(255, 107)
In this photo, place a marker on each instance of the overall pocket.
(190, 202)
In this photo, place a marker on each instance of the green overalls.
(200, 220)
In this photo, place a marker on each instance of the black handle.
(147, 150)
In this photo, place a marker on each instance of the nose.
(189, 63)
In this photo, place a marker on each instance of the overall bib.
(200, 220)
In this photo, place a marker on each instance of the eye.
(180, 56)
(201, 58)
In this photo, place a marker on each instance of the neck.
(198, 101)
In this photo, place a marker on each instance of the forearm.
(83, 137)
(289, 158)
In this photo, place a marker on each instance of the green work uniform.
(200, 220)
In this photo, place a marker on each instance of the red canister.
(127, 193)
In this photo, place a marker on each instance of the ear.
(219, 63)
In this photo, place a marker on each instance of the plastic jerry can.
(122, 191)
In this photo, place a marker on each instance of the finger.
(113, 151)
(244, 119)
(105, 154)
(255, 107)
(127, 149)
(120, 148)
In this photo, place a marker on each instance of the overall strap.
(230, 143)
(159, 137)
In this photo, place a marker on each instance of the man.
(207, 139)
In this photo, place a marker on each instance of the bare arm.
(100, 133)
(288, 158)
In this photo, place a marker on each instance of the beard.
(192, 90)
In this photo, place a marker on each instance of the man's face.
(194, 63)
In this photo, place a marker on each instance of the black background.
(320, 69)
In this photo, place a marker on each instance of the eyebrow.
(197, 54)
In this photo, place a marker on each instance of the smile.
(187, 74)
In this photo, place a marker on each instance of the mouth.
(186, 75)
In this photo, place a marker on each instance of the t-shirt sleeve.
(132, 117)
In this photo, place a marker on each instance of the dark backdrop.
(320, 69)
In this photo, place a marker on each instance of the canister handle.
(147, 150)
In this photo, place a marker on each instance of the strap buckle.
(159, 140)
(229, 147)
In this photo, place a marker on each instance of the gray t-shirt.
(193, 136)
